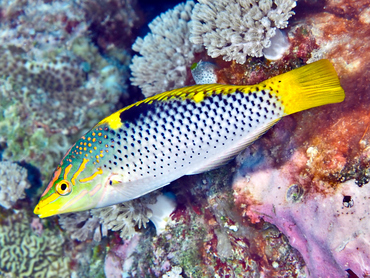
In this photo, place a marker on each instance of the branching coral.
(13, 182)
(124, 217)
(237, 28)
(121, 217)
(82, 226)
(166, 52)
(25, 254)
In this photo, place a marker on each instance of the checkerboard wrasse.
(186, 131)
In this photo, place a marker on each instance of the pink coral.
(37, 226)
(328, 227)
(118, 259)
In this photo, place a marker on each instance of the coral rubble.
(209, 239)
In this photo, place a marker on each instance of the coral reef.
(208, 238)
(82, 226)
(57, 87)
(294, 204)
(124, 217)
(315, 165)
(112, 22)
(236, 29)
(13, 182)
(25, 254)
(119, 260)
(40, 27)
(339, 239)
(166, 53)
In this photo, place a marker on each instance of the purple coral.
(327, 226)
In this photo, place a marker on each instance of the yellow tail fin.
(309, 86)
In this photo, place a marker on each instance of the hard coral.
(55, 88)
(166, 52)
(239, 28)
(25, 254)
(59, 75)
(327, 225)
(13, 182)
(40, 26)
(112, 21)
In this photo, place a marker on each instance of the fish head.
(78, 184)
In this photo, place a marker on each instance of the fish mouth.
(47, 207)
(44, 211)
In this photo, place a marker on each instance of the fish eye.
(63, 187)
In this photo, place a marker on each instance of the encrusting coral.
(238, 28)
(166, 53)
(26, 254)
(111, 21)
(13, 182)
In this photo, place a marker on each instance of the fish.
(185, 131)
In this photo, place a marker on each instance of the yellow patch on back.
(113, 121)
(198, 97)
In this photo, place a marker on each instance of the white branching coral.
(124, 217)
(237, 28)
(166, 52)
(13, 182)
(95, 223)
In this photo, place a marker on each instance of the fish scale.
(182, 132)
